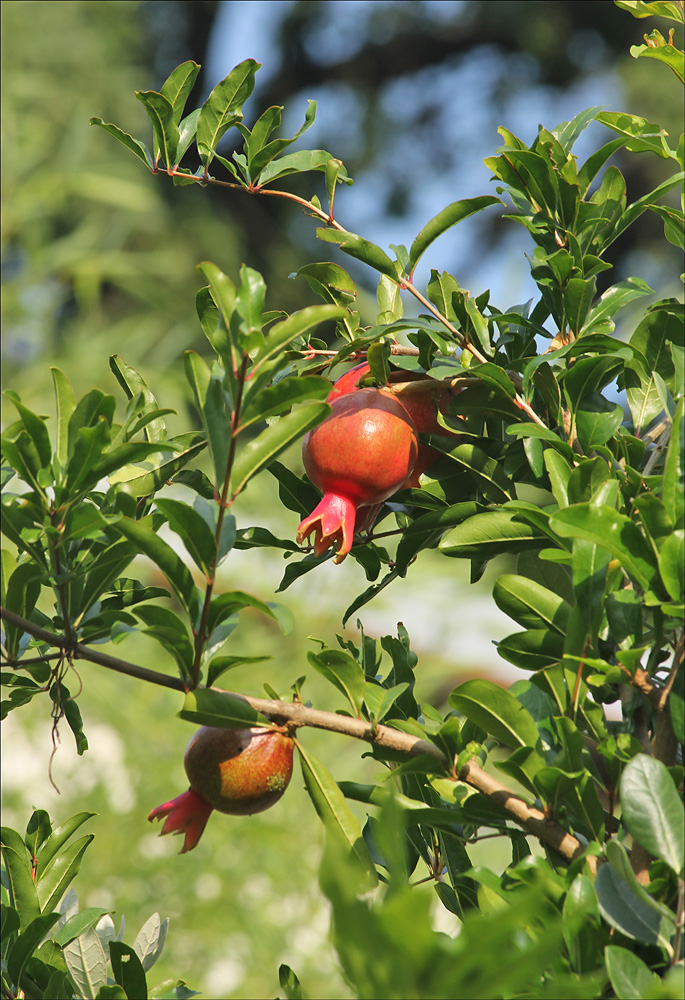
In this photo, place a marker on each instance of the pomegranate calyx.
(332, 522)
(187, 813)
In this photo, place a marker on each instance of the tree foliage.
(586, 499)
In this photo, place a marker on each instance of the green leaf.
(150, 940)
(343, 671)
(177, 86)
(148, 477)
(530, 604)
(486, 535)
(169, 630)
(65, 402)
(78, 924)
(671, 565)
(290, 984)
(164, 128)
(673, 57)
(638, 134)
(597, 420)
(227, 604)
(612, 531)
(294, 326)
(60, 872)
(207, 707)
(136, 147)
(614, 299)
(87, 964)
(223, 107)
(653, 811)
(360, 249)
(336, 815)
(260, 154)
(621, 907)
(534, 649)
(427, 529)
(220, 664)
(59, 836)
(22, 889)
(132, 382)
(497, 711)
(193, 531)
(36, 429)
(628, 974)
(443, 221)
(26, 944)
(652, 8)
(273, 400)
(300, 163)
(261, 451)
(128, 970)
(176, 572)
(674, 467)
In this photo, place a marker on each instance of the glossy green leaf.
(638, 134)
(273, 400)
(169, 630)
(208, 707)
(360, 249)
(59, 836)
(497, 711)
(486, 535)
(627, 912)
(178, 85)
(534, 649)
(336, 815)
(36, 429)
(260, 154)
(128, 970)
(164, 128)
(138, 148)
(132, 382)
(223, 107)
(673, 57)
(261, 451)
(294, 326)
(674, 467)
(22, 889)
(78, 924)
(343, 671)
(65, 404)
(427, 529)
(613, 531)
(628, 974)
(147, 478)
(60, 872)
(672, 566)
(175, 570)
(443, 221)
(530, 604)
(221, 664)
(193, 531)
(653, 811)
(299, 163)
(27, 943)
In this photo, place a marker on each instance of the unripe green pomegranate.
(235, 771)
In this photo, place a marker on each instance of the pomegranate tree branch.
(79, 651)
(533, 820)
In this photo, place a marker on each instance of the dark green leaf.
(273, 400)
(652, 810)
(336, 815)
(486, 535)
(60, 872)
(26, 944)
(193, 531)
(497, 711)
(164, 128)
(128, 970)
(136, 147)
(360, 249)
(344, 672)
(261, 451)
(223, 107)
(533, 649)
(176, 572)
(207, 707)
(628, 974)
(530, 604)
(443, 221)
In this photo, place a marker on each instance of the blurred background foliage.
(98, 256)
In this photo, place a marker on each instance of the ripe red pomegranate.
(361, 454)
(235, 771)
(420, 395)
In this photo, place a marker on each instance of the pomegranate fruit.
(235, 771)
(420, 395)
(359, 455)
